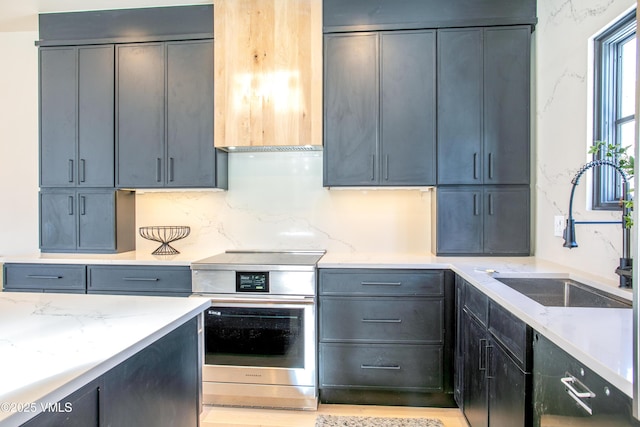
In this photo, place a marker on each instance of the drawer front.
(512, 333)
(381, 366)
(416, 320)
(139, 279)
(476, 303)
(45, 277)
(381, 282)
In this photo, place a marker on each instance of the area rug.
(348, 421)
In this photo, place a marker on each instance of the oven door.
(260, 341)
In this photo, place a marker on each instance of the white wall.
(18, 143)
(563, 131)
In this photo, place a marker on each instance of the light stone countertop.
(123, 258)
(53, 344)
(600, 338)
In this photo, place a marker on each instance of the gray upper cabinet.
(492, 220)
(379, 109)
(165, 115)
(92, 220)
(77, 116)
(484, 105)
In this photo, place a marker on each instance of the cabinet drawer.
(381, 366)
(381, 319)
(381, 282)
(476, 303)
(512, 333)
(45, 277)
(139, 279)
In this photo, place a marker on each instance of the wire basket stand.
(165, 234)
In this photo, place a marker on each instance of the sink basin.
(557, 292)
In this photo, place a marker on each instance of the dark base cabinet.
(555, 374)
(493, 362)
(158, 386)
(386, 337)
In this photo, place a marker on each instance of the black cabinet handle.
(70, 170)
(373, 167)
(386, 168)
(171, 169)
(490, 204)
(140, 279)
(83, 205)
(386, 367)
(481, 360)
(70, 205)
(475, 165)
(158, 169)
(381, 283)
(381, 320)
(42, 276)
(475, 205)
(491, 165)
(82, 170)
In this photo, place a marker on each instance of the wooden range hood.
(268, 75)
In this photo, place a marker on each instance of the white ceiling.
(22, 15)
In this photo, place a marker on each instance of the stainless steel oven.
(260, 331)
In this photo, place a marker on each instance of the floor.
(213, 416)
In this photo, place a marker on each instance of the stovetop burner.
(261, 260)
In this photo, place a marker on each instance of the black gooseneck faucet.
(626, 264)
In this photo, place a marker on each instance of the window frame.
(606, 183)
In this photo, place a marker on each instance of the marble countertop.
(600, 338)
(123, 258)
(53, 344)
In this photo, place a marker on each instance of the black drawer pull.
(381, 320)
(381, 283)
(140, 279)
(39, 276)
(387, 367)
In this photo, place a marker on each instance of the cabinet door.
(506, 224)
(351, 109)
(96, 219)
(508, 391)
(408, 108)
(191, 156)
(459, 221)
(95, 165)
(506, 105)
(460, 106)
(140, 115)
(58, 117)
(58, 220)
(475, 366)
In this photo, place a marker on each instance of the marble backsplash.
(277, 201)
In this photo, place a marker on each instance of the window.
(614, 109)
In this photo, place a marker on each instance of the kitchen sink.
(559, 292)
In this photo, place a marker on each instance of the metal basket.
(165, 234)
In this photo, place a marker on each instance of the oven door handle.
(270, 301)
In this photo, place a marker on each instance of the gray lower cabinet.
(386, 336)
(567, 393)
(157, 386)
(77, 116)
(151, 280)
(139, 280)
(491, 220)
(484, 105)
(379, 108)
(165, 116)
(56, 278)
(493, 362)
(91, 220)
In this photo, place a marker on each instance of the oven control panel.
(252, 281)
